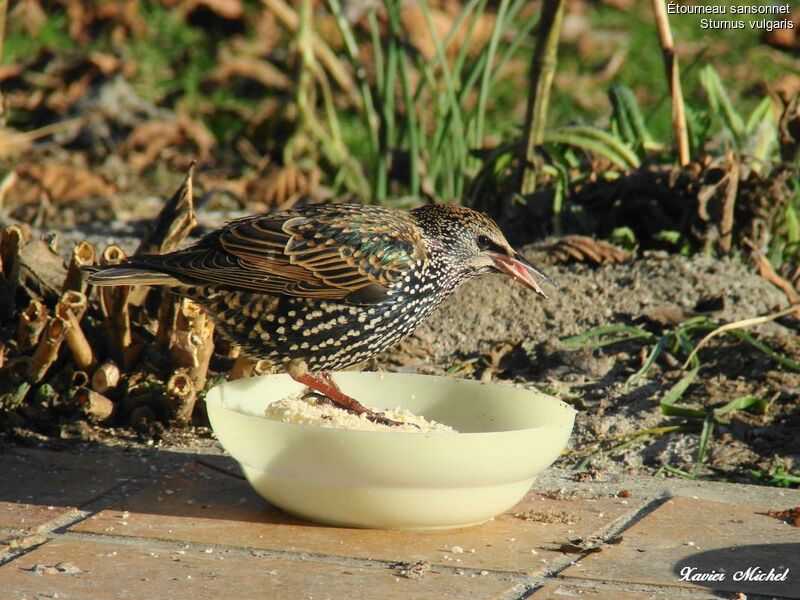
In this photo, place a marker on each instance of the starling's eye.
(486, 243)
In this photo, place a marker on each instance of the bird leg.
(324, 384)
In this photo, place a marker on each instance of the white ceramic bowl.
(388, 479)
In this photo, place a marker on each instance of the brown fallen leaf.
(790, 515)
(284, 184)
(248, 67)
(30, 15)
(415, 24)
(149, 139)
(785, 38)
(60, 183)
(581, 248)
(493, 359)
(124, 15)
(227, 9)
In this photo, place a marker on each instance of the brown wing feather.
(321, 251)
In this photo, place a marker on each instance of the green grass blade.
(648, 364)
(596, 141)
(371, 118)
(705, 437)
(405, 87)
(753, 403)
(676, 471)
(779, 358)
(486, 78)
(628, 115)
(761, 113)
(721, 103)
(587, 340)
(522, 33)
(676, 391)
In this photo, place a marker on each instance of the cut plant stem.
(71, 307)
(83, 255)
(32, 322)
(11, 242)
(191, 344)
(47, 350)
(543, 68)
(181, 395)
(106, 377)
(673, 76)
(115, 308)
(79, 346)
(95, 404)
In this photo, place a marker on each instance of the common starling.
(327, 286)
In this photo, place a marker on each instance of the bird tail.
(128, 275)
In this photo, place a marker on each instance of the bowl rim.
(214, 397)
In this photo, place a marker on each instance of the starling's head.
(474, 244)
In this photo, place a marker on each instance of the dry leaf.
(415, 24)
(785, 38)
(227, 9)
(283, 184)
(123, 14)
(248, 67)
(59, 182)
(149, 139)
(30, 14)
(581, 248)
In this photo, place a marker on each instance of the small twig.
(673, 75)
(729, 204)
(767, 272)
(739, 325)
(25, 137)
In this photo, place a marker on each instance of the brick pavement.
(109, 523)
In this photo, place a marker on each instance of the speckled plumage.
(331, 285)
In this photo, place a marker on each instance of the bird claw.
(375, 417)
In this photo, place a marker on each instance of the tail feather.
(125, 275)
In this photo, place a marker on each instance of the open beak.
(521, 270)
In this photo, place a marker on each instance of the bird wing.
(325, 251)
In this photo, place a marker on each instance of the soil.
(494, 314)
(494, 329)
